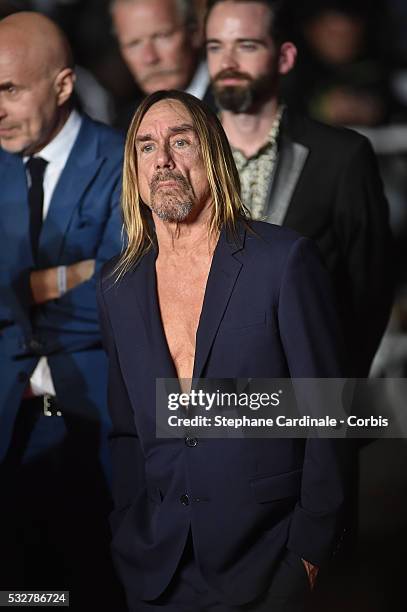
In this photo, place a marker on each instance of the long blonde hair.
(223, 178)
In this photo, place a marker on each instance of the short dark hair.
(279, 22)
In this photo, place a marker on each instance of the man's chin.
(171, 213)
(235, 99)
(156, 83)
(11, 145)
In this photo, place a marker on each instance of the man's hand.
(312, 572)
(44, 283)
(79, 273)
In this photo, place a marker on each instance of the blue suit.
(267, 313)
(83, 222)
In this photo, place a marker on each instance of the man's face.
(242, 58)
(171, 173)
(336, 37)
(28, 103)
(155, 44)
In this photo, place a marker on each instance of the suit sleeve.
(362, 224)
(83, 296)
(128, 474)
(309, 330)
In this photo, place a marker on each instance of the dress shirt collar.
(272, 137)
(57, 151)
(200, 82)
(59, 148)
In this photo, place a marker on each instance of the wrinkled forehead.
(164, 116)
(147, 16)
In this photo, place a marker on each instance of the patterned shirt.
(256, 172)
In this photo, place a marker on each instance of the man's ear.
(287, 57)
(64, 84)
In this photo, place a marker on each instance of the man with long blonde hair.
(201, 292)
(218, 167)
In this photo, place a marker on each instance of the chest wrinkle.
(181, 284)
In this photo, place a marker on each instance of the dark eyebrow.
(178, 129)
(144, 138)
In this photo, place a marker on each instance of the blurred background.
(351, 71)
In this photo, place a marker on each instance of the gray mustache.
(168, 176)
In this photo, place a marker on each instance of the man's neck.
(186, 238)
(248, 132)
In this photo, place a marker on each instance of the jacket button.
(191, 442)
(22, 377)
(184, 499)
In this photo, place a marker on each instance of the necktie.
(36, 167)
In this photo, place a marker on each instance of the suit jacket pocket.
(278, 487)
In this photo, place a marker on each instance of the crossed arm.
(44, 283)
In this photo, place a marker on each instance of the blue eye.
(133, 44)
(11, 90)
(162, 35)
(181, 143)
(248, 47)
(147, 148)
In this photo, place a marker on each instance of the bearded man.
(321, 181)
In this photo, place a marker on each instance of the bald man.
(60, 176)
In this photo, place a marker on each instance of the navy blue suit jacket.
(267, 313)
(83, 222)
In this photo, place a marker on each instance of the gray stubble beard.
(171, 208)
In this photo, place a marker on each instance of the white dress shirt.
(200, 82)
(56, 153)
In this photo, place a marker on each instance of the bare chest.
(181, 294)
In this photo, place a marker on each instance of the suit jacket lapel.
(14, 204)
(140, 285)
(222, 278)
(80, 170)
(291, 161)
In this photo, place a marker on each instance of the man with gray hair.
(160, 43)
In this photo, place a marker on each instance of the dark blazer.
(267, 312)
(327, 187)
(83, 222)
